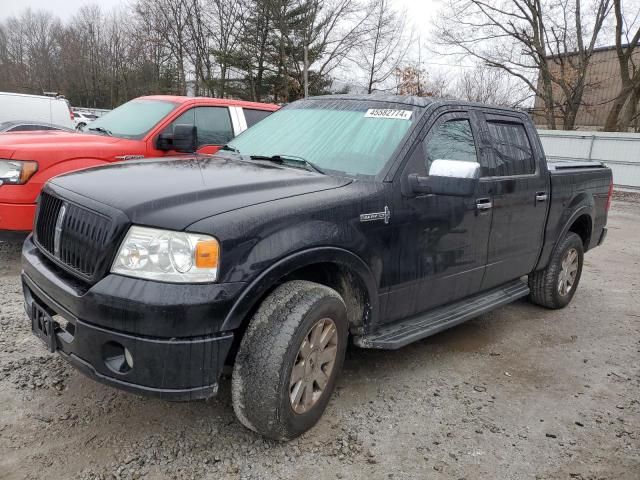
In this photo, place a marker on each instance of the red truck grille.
(73, 236)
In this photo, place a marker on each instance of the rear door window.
(511, 151)
(254, 116)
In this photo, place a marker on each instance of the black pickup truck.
(377, 218)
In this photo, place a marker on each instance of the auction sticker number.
(388, 113)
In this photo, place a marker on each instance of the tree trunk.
(611, 124)
(549, 108)
(283, 67)
(573, 105)
(223, 80)
(630, 111)
(306, 70)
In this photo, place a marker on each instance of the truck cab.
(141, 128)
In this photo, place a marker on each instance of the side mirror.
(447, 177)
(184, 139)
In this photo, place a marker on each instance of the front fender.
(28, 193)
(268, 278)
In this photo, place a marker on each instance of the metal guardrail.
(619, 151)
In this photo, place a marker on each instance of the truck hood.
(24, 142)
(174, 193)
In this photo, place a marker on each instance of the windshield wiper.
(101, 130)
(284, 159)
(230, 148)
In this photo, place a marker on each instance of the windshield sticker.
(388, 113)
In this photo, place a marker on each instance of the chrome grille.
(46, 221)
(81, 237)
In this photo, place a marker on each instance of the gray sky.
(419, 11)
(63, 8)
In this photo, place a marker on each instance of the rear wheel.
(289, 359)
(555, 286)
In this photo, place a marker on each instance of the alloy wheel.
(567, 277)
(313, 365)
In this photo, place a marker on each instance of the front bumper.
(173, 341)
(17, 216)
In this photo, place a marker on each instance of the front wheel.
(289, 360)
(555, 286)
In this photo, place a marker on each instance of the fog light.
(117, 358)
(128, 357)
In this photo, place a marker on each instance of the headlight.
(16, 172)
(168, 256)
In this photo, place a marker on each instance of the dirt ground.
(519, 393)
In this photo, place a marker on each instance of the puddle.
(473, 336)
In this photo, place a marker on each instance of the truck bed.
(563, 165)
(577, 188)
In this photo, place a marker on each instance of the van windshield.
(131, 120)
(356, 138)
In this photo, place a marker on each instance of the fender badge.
(129, 157)
(373, 217)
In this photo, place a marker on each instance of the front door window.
(213, 124)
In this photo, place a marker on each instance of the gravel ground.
(522, 392)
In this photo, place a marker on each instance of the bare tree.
(627, 39)
(213, 33)
(264, 50)
(13, 56)
(33, 45)
(483, 84)
(254, 48)
(84, 55)
(326, 32)
(385, 46)
(526, 38)
(169, 19)
(412, 79)
(219, 24)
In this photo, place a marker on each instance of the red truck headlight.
(16, 172)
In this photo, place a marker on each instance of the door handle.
(541, 197)
(484, 204)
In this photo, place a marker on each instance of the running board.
(404, 332)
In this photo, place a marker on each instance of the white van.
(54, 111)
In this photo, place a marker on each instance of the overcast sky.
(419, 11)
(63, 8)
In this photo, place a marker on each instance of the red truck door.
(214, 126)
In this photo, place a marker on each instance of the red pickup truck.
(144, 127)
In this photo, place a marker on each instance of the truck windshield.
(347, 136)
(131, 120)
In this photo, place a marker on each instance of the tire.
(80, 126)
(545, 284)
(262, 380)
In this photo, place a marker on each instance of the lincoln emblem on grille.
(58, 230)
